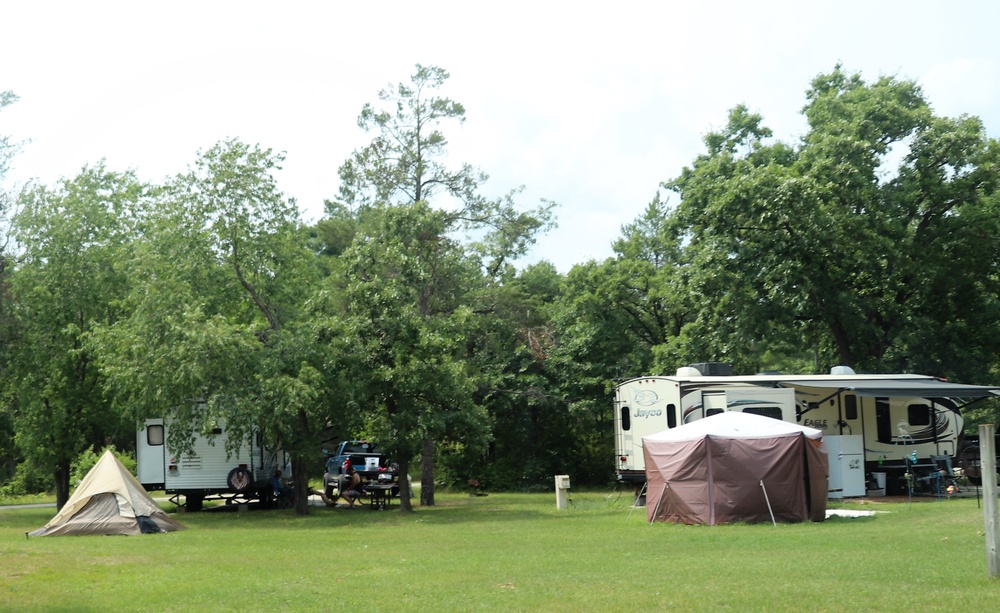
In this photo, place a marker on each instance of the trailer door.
(150, 452)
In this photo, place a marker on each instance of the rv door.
(150, 453)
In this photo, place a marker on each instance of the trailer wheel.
(239, 480)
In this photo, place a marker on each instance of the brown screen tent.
(736, 467)
(109, 500)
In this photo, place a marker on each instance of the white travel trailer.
(208, 470)
(896, 415)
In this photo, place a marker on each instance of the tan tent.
(109, 500)
(736, 467)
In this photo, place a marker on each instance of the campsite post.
(987, 455)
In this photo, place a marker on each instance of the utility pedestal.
(562, 491)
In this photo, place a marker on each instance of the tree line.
(873, 241)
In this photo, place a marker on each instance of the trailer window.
(919, 414)
(626, 419)
(712, 412)
(154, 435)
(671, 416)
(850, 406)
(772, 412)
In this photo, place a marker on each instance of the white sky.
(590, 104)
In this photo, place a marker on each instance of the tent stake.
(768, 501)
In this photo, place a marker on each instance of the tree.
(69, 280)
(409, 359)
(7, 147)
(223, 325)
(8, 450)
(826, 245)
(404, 166)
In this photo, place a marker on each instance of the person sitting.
(282, 491)
(352, 490)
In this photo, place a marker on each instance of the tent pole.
(636, 501)
(656, 511)
(768, 501)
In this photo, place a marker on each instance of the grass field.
(508, 552)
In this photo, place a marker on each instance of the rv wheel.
(239, 480)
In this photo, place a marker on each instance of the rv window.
(773, 412)
(626, 419)
(671, 416)
(850, 406)
(919, 414)
(711, 412)
(154, 435)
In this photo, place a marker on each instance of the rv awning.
(919, 388)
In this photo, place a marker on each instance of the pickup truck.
(365, 457)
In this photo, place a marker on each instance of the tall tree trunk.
(300, 474)
(404, 487)
(427, 475)
(62, 483)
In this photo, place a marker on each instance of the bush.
(86, 460)
(27, 480)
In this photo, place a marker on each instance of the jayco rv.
(895, 415)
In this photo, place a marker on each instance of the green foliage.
(827, 246)
(88, 458)
(225, 324)
(7, 147)
(406, 314)
(399, 315)
(25, 479)
(68, 282)
(415, 291)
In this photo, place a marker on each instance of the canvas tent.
(109, 500)
(736, 467)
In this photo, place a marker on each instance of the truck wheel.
(239, 480)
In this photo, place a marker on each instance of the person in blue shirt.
(280, 486)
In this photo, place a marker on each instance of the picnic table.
(380, 495)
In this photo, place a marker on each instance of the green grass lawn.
(507, 552)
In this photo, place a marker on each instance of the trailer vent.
(191, 462)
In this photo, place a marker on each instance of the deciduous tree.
(872, 240)
(405, 165)
(73, 239)
(224, 320)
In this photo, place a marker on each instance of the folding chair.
(943, 463)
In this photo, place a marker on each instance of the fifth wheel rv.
(896, 415)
